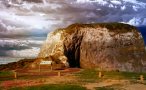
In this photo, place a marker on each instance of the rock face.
(104, 46)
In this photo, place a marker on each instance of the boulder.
(103, 46)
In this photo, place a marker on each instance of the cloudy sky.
(24, 24)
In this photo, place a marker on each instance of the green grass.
(51, 87)
(91, 76)
(6, 73)
(88, 76)
(88, 73)
(123, 75)
(10, 73)
(22, 78)
(6, 79)
(110, 87)
(35, 77)
(104, 88)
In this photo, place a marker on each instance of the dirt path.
(136, 87)
(117, 85)
(68, 78)
(104, 83)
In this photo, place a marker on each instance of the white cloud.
(134, 2)
(135, 21)
(21, 45)
(42, 14)
(23, 53)
(135, 8)
(144, 22)
(26, 53)
(44, 2)
(12, 42)
(10, 2)
(102, 2)
(17, 18)
(98, 9)
(35, 41)
(123, 7)
(111, 5)
(116, 2)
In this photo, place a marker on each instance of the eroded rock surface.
(107, 46)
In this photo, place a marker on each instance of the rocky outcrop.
(104, 46)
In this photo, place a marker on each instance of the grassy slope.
(17, 65)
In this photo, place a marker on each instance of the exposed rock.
(105, 46)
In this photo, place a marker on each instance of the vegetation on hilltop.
(118, 27)
(23, 63)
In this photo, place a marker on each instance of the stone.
(103, 46)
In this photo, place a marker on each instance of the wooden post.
(141, 78)
(59, 74)
(15, 75)
(51, 67)
(39, 68)
(100, 74)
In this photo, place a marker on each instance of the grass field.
(93, 74)
(6, 73)
(51, 87)
(10, 73)
(115, 74)
(83, 78)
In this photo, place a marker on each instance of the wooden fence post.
(100, 74)
(141, 78)
(15, 75)
(59, 74)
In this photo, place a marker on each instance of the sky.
(24, 24)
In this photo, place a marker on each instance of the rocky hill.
(23, 63)
(103, 46)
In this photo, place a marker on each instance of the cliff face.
(108, 46)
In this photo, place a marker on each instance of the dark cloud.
(14, 47)
(35, 1)
(3, 53)
(38, 38)
(34, 45)
(4, 3)
(34, 19)
(106, 14)
(2, 28)
(23, 36)
(46, 9)
(24, 14)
